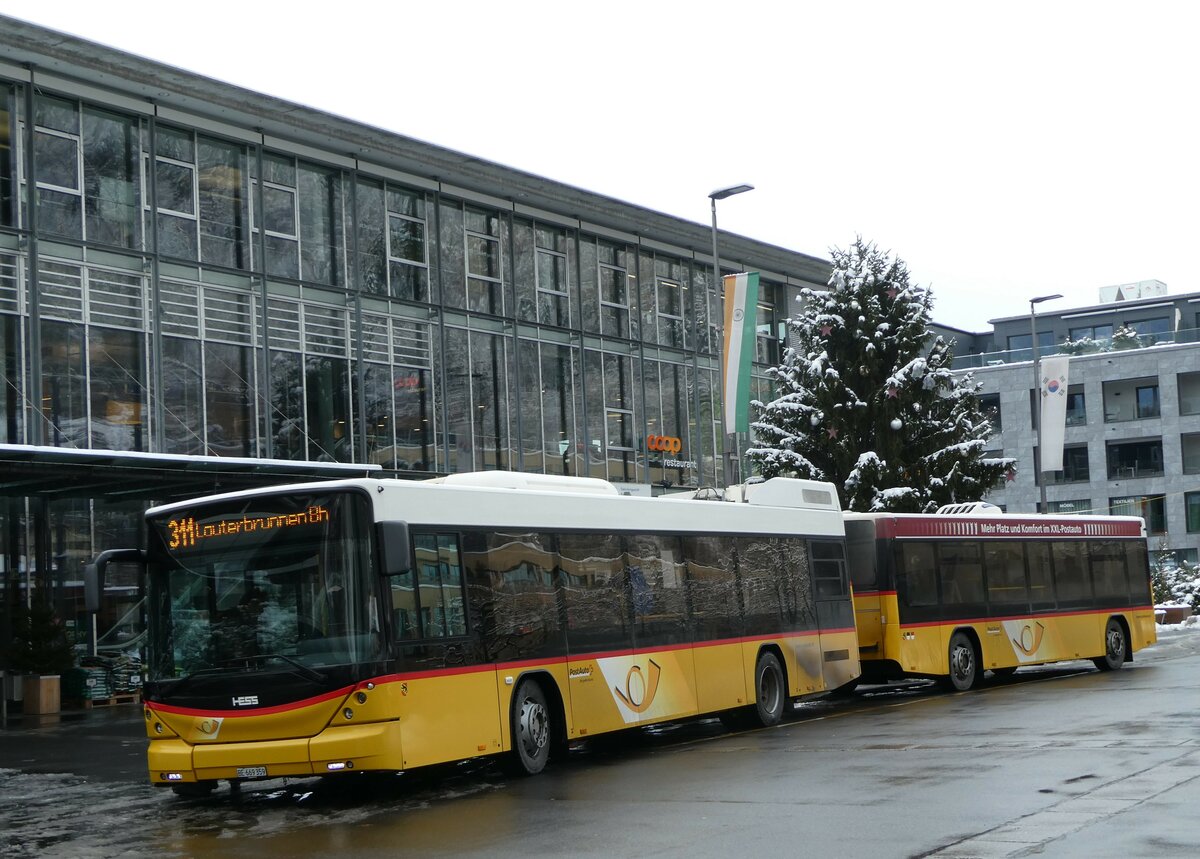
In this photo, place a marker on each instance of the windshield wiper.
(188, 678)
(301, 669)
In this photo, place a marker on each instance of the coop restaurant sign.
(669, 444)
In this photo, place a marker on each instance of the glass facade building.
(189, 268)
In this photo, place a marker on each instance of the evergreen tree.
(867, 402)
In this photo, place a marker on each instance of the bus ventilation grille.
(976, 507)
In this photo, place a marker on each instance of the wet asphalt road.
(1056, 762)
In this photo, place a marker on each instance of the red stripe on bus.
(258, 711)
(480, 669)
(874, 593)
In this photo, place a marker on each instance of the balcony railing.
(1089, 347)
(1126, 472)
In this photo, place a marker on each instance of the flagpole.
(730, 452)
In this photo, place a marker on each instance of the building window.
(1191, 504)
(7, 173)
(86, 172)
(1131, 399)
(1189, 393)
(551, 275)
(1149, 508)
(670, 313)
(1189, 444)
(1076, 407)
(989, 406)
(1134, 459)
(1100, 334)
(1081, 505)
(1075, 465)
(1151, 331)
(1147, 401)
(1020, 346)
(614, 291)
(766, 335)
(407, 246)
(549, 387)
(485, 280)
(280, 216)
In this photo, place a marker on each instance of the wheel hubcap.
(964, 663)
(768, 690)
(533, 726)
(1116, 643)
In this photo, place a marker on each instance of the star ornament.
(893, 392)
(892, 293)
(826, 329)
(1010, 476)
(832, 432)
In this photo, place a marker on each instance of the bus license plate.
(251, 772)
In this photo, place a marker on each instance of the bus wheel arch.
(770, 687)
(1116, 645)
(964, 660)
(536, 723)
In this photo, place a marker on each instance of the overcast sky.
(1003, 150)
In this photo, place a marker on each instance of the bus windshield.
(272, 582)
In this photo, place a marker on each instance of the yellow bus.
(386, 625)
(971, 589)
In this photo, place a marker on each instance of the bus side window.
(829, 569)
(434, 607)
(918, 578)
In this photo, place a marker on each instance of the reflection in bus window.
(919, 578)
(962, 574)
(1071, 572)
(1005, 573)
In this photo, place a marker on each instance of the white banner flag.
(1054, 411)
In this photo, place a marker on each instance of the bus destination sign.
(185, 531)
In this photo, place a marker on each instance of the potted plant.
(39, 649)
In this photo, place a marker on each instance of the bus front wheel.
(531, 730)
(1115, 647)
(964, 664)
(770, 690)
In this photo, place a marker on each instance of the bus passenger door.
(835, 614)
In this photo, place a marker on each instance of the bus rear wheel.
(770, 690)
(1115, 647)
(964, 664)
(531, 730)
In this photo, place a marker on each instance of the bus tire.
(1116, 646)
(964, 663)
(532, 730)
(770, 691)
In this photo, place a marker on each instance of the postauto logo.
(664, 443)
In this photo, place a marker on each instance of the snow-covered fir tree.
(867, 400)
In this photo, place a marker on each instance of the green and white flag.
(741, 304)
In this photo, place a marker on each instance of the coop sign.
(669, 444)
(186, 532)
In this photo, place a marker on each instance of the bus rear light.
(335, 766)
(361, 697)
(171, 776)
(158, 728)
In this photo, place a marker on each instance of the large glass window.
(485, 277)
(918, 582)
(408, 252)
(297, 587)
(1147, 401)
(1005, 563)
(1150, 508)
(1071, 578)
(961, 566)
(1191, 506)
(713, 585)
(512, 580)
(593, 577)
(615, 290)
(658, 591)
(478, 367)
(1151, 331)
(549, 389)
(279, 218)
(1189, 393)
(182, 396)
(8, 200)
(441, 596)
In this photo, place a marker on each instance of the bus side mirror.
(395, 548)
(93, 574)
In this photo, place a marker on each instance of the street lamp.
(727, 454)
(1037, 387)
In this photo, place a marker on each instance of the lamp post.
(1037, 387)
(730, 456)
